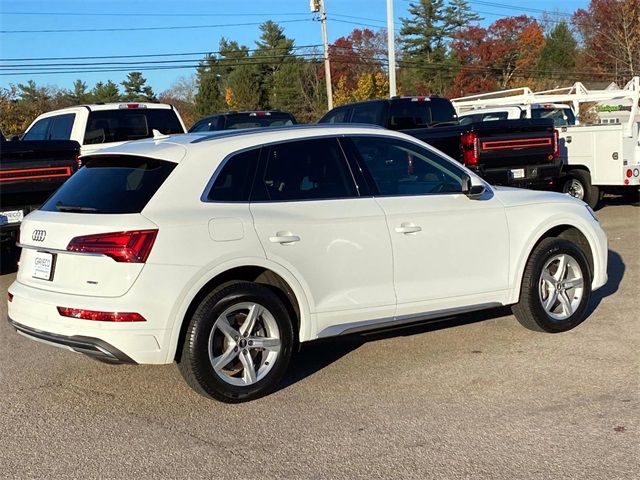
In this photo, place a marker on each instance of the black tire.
(529, 310)
(195, 364)
(577, 183)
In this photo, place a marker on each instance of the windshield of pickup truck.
(561, 116)
(104, 126)
(417, 112)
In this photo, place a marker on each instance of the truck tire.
(577, 183)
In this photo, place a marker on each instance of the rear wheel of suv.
(556, 287)
(238, 343)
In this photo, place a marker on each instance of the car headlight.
(592, 213)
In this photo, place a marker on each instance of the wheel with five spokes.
(238, 343)
(556, 287)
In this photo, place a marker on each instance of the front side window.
(233, 183)
(403, 168)
(306, 170)
(39, 130)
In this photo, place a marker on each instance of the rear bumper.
(534, 175)
(93, 347)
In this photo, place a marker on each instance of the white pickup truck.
(99, 126)
(596, 158)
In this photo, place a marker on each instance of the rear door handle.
(408, 228)
(284, 238)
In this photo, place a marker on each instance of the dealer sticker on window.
(43, 265)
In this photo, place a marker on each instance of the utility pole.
(318, 6)
(391, 47)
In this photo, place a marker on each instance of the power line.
(101, 57)
(141, 29)
(150, 14)
(516, 8)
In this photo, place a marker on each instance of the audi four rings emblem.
(39, 235)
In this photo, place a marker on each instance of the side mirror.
(474, 192)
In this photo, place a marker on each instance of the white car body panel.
(345, 272)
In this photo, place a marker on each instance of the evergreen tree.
(422, 33)
(558, 57)
(79, 94)
(209, 98)
(106, 92)
(458, 14)
(274, 49)
(135, 88)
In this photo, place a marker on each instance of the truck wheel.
(556, 287)
(578, 184)
(238, 343)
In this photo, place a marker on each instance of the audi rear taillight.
(470, 148)
(82, 314)
(130, 247)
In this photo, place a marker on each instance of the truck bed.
(30, 171)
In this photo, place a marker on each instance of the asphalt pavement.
(476, 396)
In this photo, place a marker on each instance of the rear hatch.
(90, 237)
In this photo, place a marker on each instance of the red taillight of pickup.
(470, 148)
(128, 247)
(556, 145)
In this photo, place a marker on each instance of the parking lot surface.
(475, 396)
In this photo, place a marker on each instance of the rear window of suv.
(104, 126)
(113, 184)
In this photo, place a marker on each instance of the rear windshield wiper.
(74, 208)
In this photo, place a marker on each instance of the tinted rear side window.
(306, 170)
(233, 183)
(126, 124)
(61, 127)
(115, 184)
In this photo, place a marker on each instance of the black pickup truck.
(522, 153)
(30, 171)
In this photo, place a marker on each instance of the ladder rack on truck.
(596, 158)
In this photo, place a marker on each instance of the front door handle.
(408, 228)
(284, 238)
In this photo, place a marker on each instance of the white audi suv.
(224, 251)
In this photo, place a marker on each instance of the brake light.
(470, 149)
(556, 145)
(260, 114)
(131, 105)
(130, 247)
(629, 173)
(420, 99)
(97, 316)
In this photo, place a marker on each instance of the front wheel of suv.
(556, 287)
(238, 343)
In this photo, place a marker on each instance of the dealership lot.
(473, 396)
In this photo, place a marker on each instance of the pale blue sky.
(18, 16)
